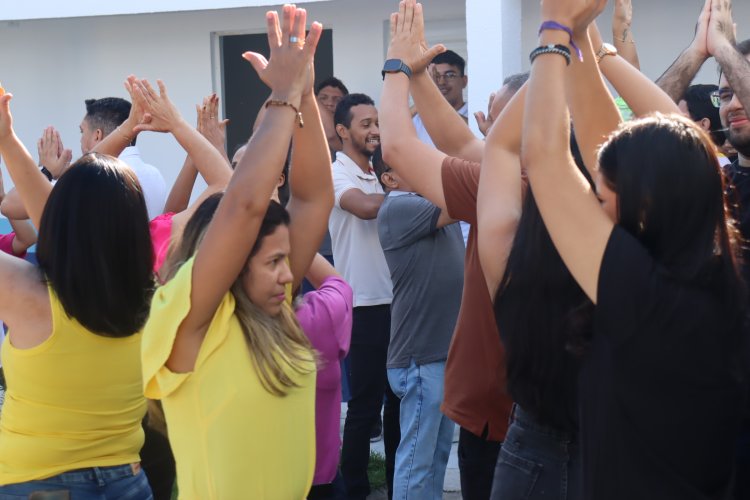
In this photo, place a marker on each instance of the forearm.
(319, 271)
(447, 129)
(116, 142)
(205, 157)
(397, 130)
(737, 70)
(625, 45)
(675, 81)
(25, 236)
(593, 110)
(642, 95)
(179, 196)
(310, 172)
(12, 206)
(32, 186)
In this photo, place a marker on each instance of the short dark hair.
(107, 113)
(95, 247)
(331, 82)
(379, 165)
(516, 81)
(698, 100)
(744, 47)
(450, 57)
(343, 113)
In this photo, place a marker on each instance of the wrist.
(554, 37)
(292, 96)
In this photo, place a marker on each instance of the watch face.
(392, 65)
(608, 48)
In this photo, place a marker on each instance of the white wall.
(51, 66)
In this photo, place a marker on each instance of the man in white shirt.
(360, 259)
(103, 116)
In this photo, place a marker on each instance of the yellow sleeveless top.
(72, 402)
(232, 438)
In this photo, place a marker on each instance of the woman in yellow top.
(222, 348)
(71, 422)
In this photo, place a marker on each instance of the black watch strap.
(47, 173)
(395, 66)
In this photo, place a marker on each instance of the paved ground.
(452, 484)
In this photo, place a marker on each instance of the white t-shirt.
(151, 181)
(356, 246)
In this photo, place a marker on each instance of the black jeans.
(476, 462)
(371, 330)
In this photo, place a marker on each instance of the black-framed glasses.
(448, 76)
(722, 97)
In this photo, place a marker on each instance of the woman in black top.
(661, 386)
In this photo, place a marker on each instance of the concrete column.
(493, 36)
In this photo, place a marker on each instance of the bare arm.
(364, 206)
(320, 270)
(122, 137)
(578, 227)
(311, 187)
(234, 228)
(12, 206)
(678, 76)
(622, 33)
(594, 112)
(500, 193)
(179, 196)
(25, 236)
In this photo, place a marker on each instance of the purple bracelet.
(552, 25)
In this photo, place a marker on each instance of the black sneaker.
(376, 434)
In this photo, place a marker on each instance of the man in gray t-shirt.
(424, 250)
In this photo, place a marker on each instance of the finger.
(5, 103)
(162, 89)
(223, 123)
(313, 37)
(273, 30)
(257, 61)
(394, 22)
(401, 16)
(148, 89)
(67, 156)
(408, 14)
(489, 104)
(480, 118)
(300, 21)
(287, 19)
(418, 22)
(39, 148)
(433, 51)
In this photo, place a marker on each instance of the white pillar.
(493, 38)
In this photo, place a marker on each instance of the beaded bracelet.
(275, 102)
(552, 25)
(561, 50)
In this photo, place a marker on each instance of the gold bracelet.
(275, 102)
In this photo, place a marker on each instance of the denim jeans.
(96, 483)
(537, 462)
(426, 434)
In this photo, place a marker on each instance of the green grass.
(376, 470)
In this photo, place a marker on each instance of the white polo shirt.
(356, 246)
(152, 182)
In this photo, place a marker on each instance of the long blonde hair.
(276, 343)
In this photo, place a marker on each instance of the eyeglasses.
(447, 77)
(722, 97)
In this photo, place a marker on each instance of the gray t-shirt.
(427, 270)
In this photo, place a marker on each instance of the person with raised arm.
(622, 32)
(659, 261)
(71, 423)
(222, 348)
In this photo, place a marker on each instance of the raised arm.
(311, 186)
(577, 225)
(25, 236)
(223, 252)
(677, 78)
(500, 193)
(622, 33)
(418, 163)
(594, 112)
(124, 135)
(722, 45)
(32, 186)
(642, 95)
(320, 270)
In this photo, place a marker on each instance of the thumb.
(479, 117)
(257, 61)
(434, 51)
(5, 102)
(67, 156)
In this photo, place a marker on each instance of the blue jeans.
(537, 462)
(426, 434)
(97, 483)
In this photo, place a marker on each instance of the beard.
(740, 141)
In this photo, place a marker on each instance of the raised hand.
(574, 14)
(6, 118)
(699, 45)
(160, 114)
(721, 29)
(288, 69)
(622, 19)
(209, 124)
(485, 122)
(52, 154)
(407, 37)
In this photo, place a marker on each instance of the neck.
(458, 104)
(362, 161)
(744, 160)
